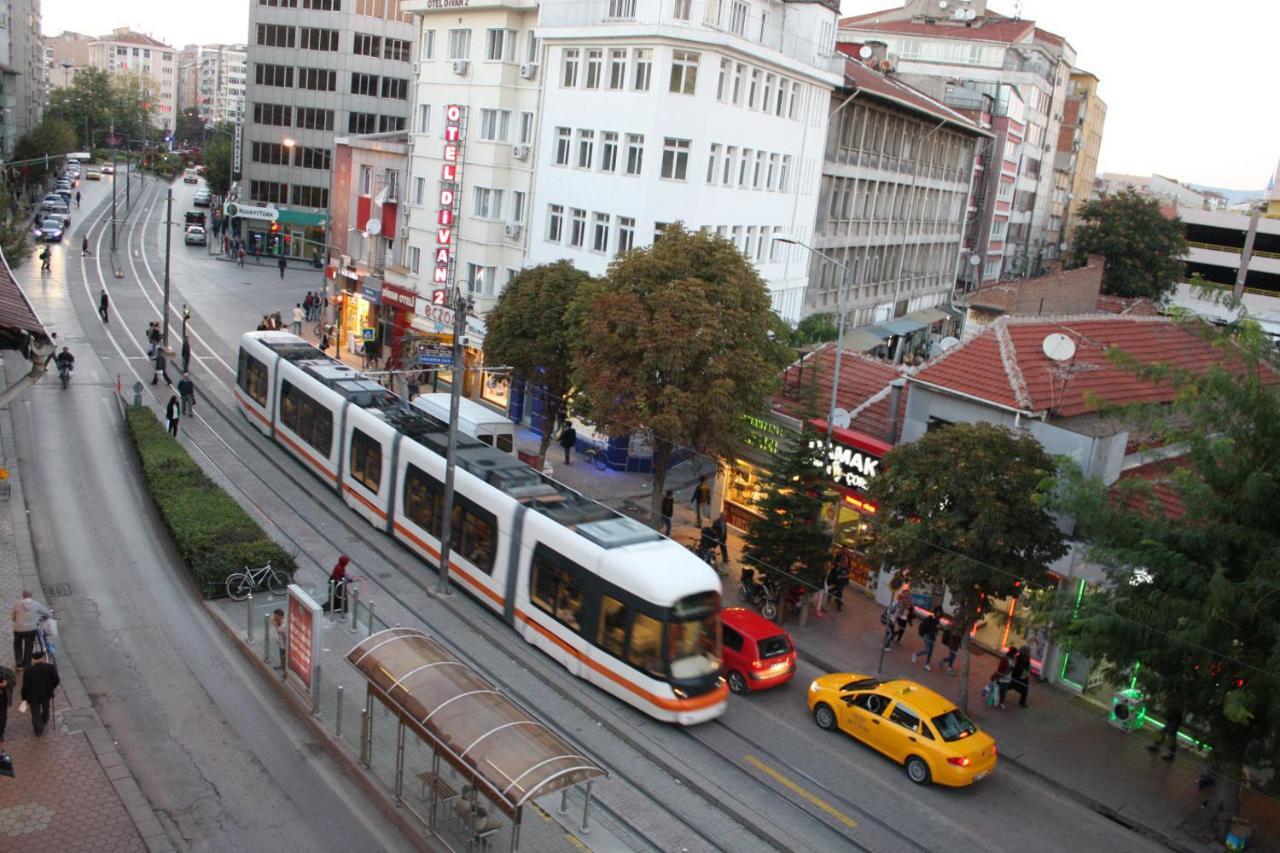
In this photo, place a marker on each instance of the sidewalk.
(71, 789)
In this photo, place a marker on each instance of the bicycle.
(598, 456)
(240, 584)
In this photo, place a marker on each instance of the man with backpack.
(928, 633)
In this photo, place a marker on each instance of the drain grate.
(53, 590)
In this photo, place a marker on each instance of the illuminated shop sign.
(764, 434)
(446, 217)
(853, 461)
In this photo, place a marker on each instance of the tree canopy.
(1143, 248)
(190, 127)
(964, 507)
(677, 341)
(51, 136)
(217, 158)
(1194, 598)
(529, 330)
(15, 239)
(95, 103)
(814, 329)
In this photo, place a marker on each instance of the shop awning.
(901, 325)
(864, 339)
(301, 217)
(928, 316)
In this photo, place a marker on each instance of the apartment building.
(153, 63)
(937, 45)
(64, 55)
(212, 79)
(897, 178)
(317, 68)
(22, 71)
(1079, 142)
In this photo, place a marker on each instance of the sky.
(1190, 92)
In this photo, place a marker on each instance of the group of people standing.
(312, 306)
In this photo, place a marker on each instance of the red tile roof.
(990, 28)
(135, 38)
(885, 87)
(864, 389)
(1158, 477)
(1135, 305)
(17, 317)
(1006, 365)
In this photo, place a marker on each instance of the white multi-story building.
(154, 62)
(213, 81)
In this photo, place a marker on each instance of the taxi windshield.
(954, 725)
(693, 637)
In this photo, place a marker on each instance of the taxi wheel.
(917, 770)
(824, 716)
(737, 683)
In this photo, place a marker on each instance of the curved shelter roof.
(482, 732)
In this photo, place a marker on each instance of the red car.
(757, 653)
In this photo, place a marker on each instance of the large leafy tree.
(87, 104)
(190, 127)
(791, 526)
(529, 331)
(15, 240)
(1195, 599)
(814, 329)
(52, 136)
(217, 158)
(1143, 248)
(677, 340)
(964, 507)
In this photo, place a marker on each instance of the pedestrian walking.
(906, 613)
(324, 339)
(298, 315)
(1020, 676)
(240, 256)
(104, 302)
(8, 687)
(568, 438)
(668, 510)
(26, 615)
(720, 530)
(889, 619)
(306, 306)
(701, 500)
(282, 638)
(161, 364)
(838, 579)
(84, 247)
(172, 412)
(186, 354)
(39, 680)
(44, 260)
(951, 637)
(283, 264)
(187, 391)
(928, 633)
(77, 198)
(370, 353)
(1001, 678)
(1172, 723)
(153, 336)
(338, 581)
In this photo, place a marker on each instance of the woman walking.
(172, 412)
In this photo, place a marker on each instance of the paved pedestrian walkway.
(71, 790)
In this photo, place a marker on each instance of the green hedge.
(214, 535)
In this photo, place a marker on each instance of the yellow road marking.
(801, 792)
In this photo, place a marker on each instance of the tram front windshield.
(693, 637)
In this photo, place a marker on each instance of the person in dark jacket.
(701, 500)
(568, 438)
(338, 586)
(103, 303)
(1020, 677)
(186, 354)
(172, 412)
(8, 687)
(951, 637)
(838, 579)
(720, 530)
(187, 391)
(160, 363)
(38, 683)
(1169, 733)
(668, 510)
(928, 633)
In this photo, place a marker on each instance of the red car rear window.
(773, 647)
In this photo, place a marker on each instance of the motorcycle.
(64, 374)
(760, 594)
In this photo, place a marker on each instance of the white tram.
(613, 601)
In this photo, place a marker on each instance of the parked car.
(912, 725)
(758, 654)
(52, 198)
(201, 199)
(93, 175)
(195, 236)
(196, 217)
(50, 231)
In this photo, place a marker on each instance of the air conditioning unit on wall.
(513, 229)
(460, 67)
(529, 70)
(520, 152)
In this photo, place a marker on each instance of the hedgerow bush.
(213, 533)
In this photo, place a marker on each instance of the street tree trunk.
(661, 462)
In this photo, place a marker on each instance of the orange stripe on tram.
(453, 567)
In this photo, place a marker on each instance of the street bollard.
(338, 719)
(333, 599)
(364, 736)
(355, 607)
(249, 616)
(369, 628)
(564, 801)
(137, 393)
(315, 694)
(266, 637)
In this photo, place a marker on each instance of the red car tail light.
(959, 761)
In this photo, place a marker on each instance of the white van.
(474, 420)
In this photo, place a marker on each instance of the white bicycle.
(242, 583)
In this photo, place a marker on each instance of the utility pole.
(168, 236)
(455, 397)
(113, 199)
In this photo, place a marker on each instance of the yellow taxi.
(909, 723)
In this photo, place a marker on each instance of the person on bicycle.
(707, 545)
(65, 360)
(338, 581)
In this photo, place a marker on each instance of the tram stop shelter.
(486, 752)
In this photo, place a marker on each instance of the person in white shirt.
(27, 613)
(297, 318)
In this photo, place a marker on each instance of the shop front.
(431, 328)
(853, 461)
(396, 318)
(745, 477)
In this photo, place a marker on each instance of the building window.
(323, 5)
(488, 203)
(713, 163)
(313, 118)
(767, 101)
(680, 11)
(635, 153)
(366, 180)
(531, 48)
(739, 71)
(272, 114)
(642, 68)
(617, 69)
(395, 88)
(480, 279)
(273, 75)
(526, 128)
(569, 68)
(738, 18)
(675, 158)
(622, 10)
(784, 172)
(608, 151)
(364, 84)
(415, 259)
(428, 45)
(272, 35)
(730, 155)
(781, 100)
(600, 232)
(270, 153)
(494, 125)
(586, 148)
(773, 172)
(577, 227)
(316, 39)
(364, 44)
(397, 49)
(419, 191)
(749, 247)
(744, 167)
(793, 107)
(389, 124)
(311, 157)
(626, 234)
(305, 196)
(555, 223)
(722, 82)
(501, 46)
(459, 44)
(595, 68)
(755, 87)
(317, 80)
(268, 191)
(564, 145)
(362, 122)
(758, 173)
(517, 206)
(424, 118)
(684, 72)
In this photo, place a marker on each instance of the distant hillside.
(1233, 196)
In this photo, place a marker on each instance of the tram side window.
(556, 590)
(423, 500)
(613, 625)
(473, 533)
(252, 378)
(311, 422)
(645, 650)
(366, 460)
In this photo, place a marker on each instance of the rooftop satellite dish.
(865, 52)
(948, 343)
(841, 418)
(942, 4)
(373, 226)
(1058, 347)
(974, 260)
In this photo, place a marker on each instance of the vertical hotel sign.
(450, 190)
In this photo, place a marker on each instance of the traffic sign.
(429, 358)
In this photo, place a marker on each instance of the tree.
(190, 128)
(15, 239)
(52, 136)
(87, 104)
(964, 507)
(530, 332)
(217, 158)
(1196, 599)
(676, 341)
(814, 329)
(1143, 248)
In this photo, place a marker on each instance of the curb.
(1098, 806)
(149, 828)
